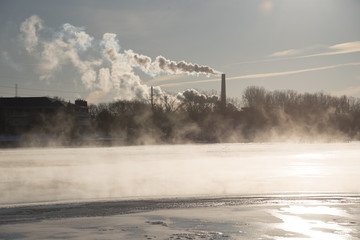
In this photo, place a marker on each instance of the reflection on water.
(277, 217)
(309, 156)
(315, 222)
(311, 164)
(315, 210)
(305, 169)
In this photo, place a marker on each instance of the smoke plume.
(169, 66)
(102, 66)
(29, 32)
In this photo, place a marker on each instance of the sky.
(109, 49)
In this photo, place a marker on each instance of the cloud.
(286, 53)
(342, 48)
(275, 74)
(278, 56)
(29, 32)
(165, 78)
(265, 75)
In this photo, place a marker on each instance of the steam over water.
(85, 174)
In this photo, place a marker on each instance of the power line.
(43, 90)
(65, 92)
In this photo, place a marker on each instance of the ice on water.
(297, 175)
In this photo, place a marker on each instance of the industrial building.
(21, 114)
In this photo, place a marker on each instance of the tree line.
(260, 116)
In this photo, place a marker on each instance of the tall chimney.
(223, 91)
(152, 97)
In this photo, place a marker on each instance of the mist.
(84, 174)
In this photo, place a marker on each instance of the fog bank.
(71, 174)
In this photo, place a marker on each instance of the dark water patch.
(107, 208)
(11, 236)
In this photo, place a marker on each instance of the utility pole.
(223, 92)
(16, 90)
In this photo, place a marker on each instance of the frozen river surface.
(86, 174)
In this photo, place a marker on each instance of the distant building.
(81, 112)
(21, 114)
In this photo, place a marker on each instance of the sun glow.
(304, 169)
(266, 7)
(299, 227)
(310, 156)
(309, 164)
(315, 210)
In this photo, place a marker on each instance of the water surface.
(86, 174)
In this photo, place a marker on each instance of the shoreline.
(69, 209)
(219, 218)
(17, 142)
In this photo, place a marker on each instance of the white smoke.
(102, 66)
(104, 79)
(130, 85)
(64, 48)
(111, 46)
(138, 60)
(162, 64)
(29, 32)
(195, 96)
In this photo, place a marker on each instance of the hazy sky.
(79, 48)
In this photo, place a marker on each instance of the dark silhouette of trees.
(310, 115)
(263, 115)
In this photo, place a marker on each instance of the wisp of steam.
(71, 174)
(102, 65)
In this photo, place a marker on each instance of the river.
(199, 191)
(34, 175)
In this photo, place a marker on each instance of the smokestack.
(223, 91)
(152, 97)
